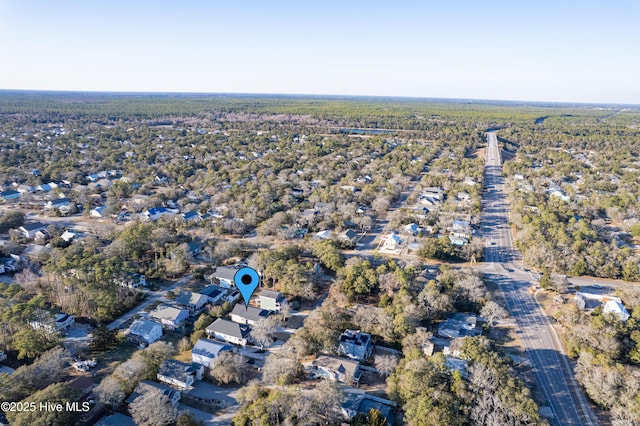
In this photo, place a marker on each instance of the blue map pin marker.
(247, 280)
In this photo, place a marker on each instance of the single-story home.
(10, 195)
(616, 308)
(98, 212)
(29, 230)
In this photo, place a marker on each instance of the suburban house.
(616, 308)
(213, 293)
(460, 325)
(356, 402)
(145, 331)
(224, 276)
(83, 385)
(61, 322)
(229, 331)
(248, 315)
(194, 248)
(323, 235)
(156, 212)
(131, 280)
(412, 229)
(98, 212)
(271, 300)
(148, 386)
(355, 344)
(348, 236)
(68, 235)
(29, 230)
(335, 368)
(10, 195)
(45, 187)
(170, 317)
(461, 228)
(193, 302)
(179, 374)
(392, 242)
(190, 215)
(61, 204)
(205, 351)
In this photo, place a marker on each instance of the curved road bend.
(554, 373)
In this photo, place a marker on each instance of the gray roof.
(142, 327)
(177, 370)
(341, 365)
(225, 273)
(169, 313)
(250, 313)
(209, 348)
(189, 298)
(147, 386)
(116, 419)
(228, 328)
(212, 291)
(270, 294)
(32, 226)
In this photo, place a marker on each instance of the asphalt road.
(152, 296)
(553, 369)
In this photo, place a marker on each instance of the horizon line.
(311, 95)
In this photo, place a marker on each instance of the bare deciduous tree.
(109, 392)
(493, 312)
(153, 408)
(386, 364)
(229, 368)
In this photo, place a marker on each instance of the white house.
(229, 331)
(156, 212)
(392, 242)
(616, 308)
(205, 351)
(179, 374)
(146, 330)
(271, 300)
(98, 212)
(223, 275)
(131, 280)
(61, 322)
(29, 230)
(248, 315)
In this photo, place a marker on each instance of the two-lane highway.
(553, 370)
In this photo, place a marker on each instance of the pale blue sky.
(561, 50)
